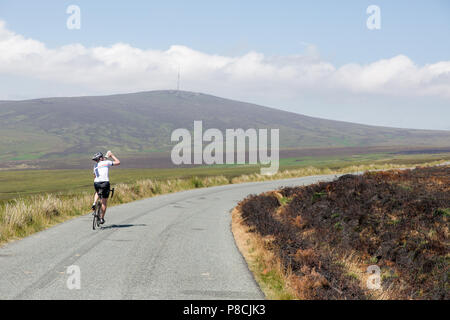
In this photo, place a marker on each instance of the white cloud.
(123, 68)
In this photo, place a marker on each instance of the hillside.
(142, 122)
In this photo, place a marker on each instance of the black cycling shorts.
(102, 188)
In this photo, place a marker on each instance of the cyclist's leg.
(95, 198)
(97, 190)
(104, 206)
(105, 195)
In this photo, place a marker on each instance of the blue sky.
(334, 32)
(420, 29)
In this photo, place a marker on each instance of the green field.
(335, 162)
(15, 184)
(22, 183)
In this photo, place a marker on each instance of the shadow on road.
(118, 226)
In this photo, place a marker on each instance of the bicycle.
(97, 210)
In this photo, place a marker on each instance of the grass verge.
(265, 266)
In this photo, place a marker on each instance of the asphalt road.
(175, 246)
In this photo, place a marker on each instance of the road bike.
(98, 209)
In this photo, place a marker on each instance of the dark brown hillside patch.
(327, 234)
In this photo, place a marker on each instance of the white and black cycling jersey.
(101, 170)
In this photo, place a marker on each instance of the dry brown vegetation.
(326, 235)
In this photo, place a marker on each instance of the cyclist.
(101, 181)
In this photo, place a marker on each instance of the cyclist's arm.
(116, 161)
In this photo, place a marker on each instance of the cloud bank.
(122, 67)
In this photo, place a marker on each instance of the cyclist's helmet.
(97, 156)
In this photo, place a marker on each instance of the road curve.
(175, 246)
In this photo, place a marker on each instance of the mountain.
(143, 122)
